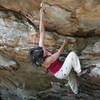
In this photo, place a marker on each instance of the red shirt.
(55, 66)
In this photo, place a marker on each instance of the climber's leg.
(71, 61)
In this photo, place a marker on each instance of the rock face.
(65, 16)
(67, 19)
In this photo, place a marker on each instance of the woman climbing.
(62, 70)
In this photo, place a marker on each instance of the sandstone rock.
(7, 64)
(66, 19)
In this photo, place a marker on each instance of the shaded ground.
(57, 92)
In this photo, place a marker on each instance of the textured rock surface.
(67, 19)
(65, 16)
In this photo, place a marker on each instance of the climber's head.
(36, 55)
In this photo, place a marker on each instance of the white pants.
(71, 61)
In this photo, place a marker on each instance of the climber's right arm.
(41, 28)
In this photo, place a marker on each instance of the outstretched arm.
(41, 28)
(60, 50)
(65, 43)
(56, 55)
